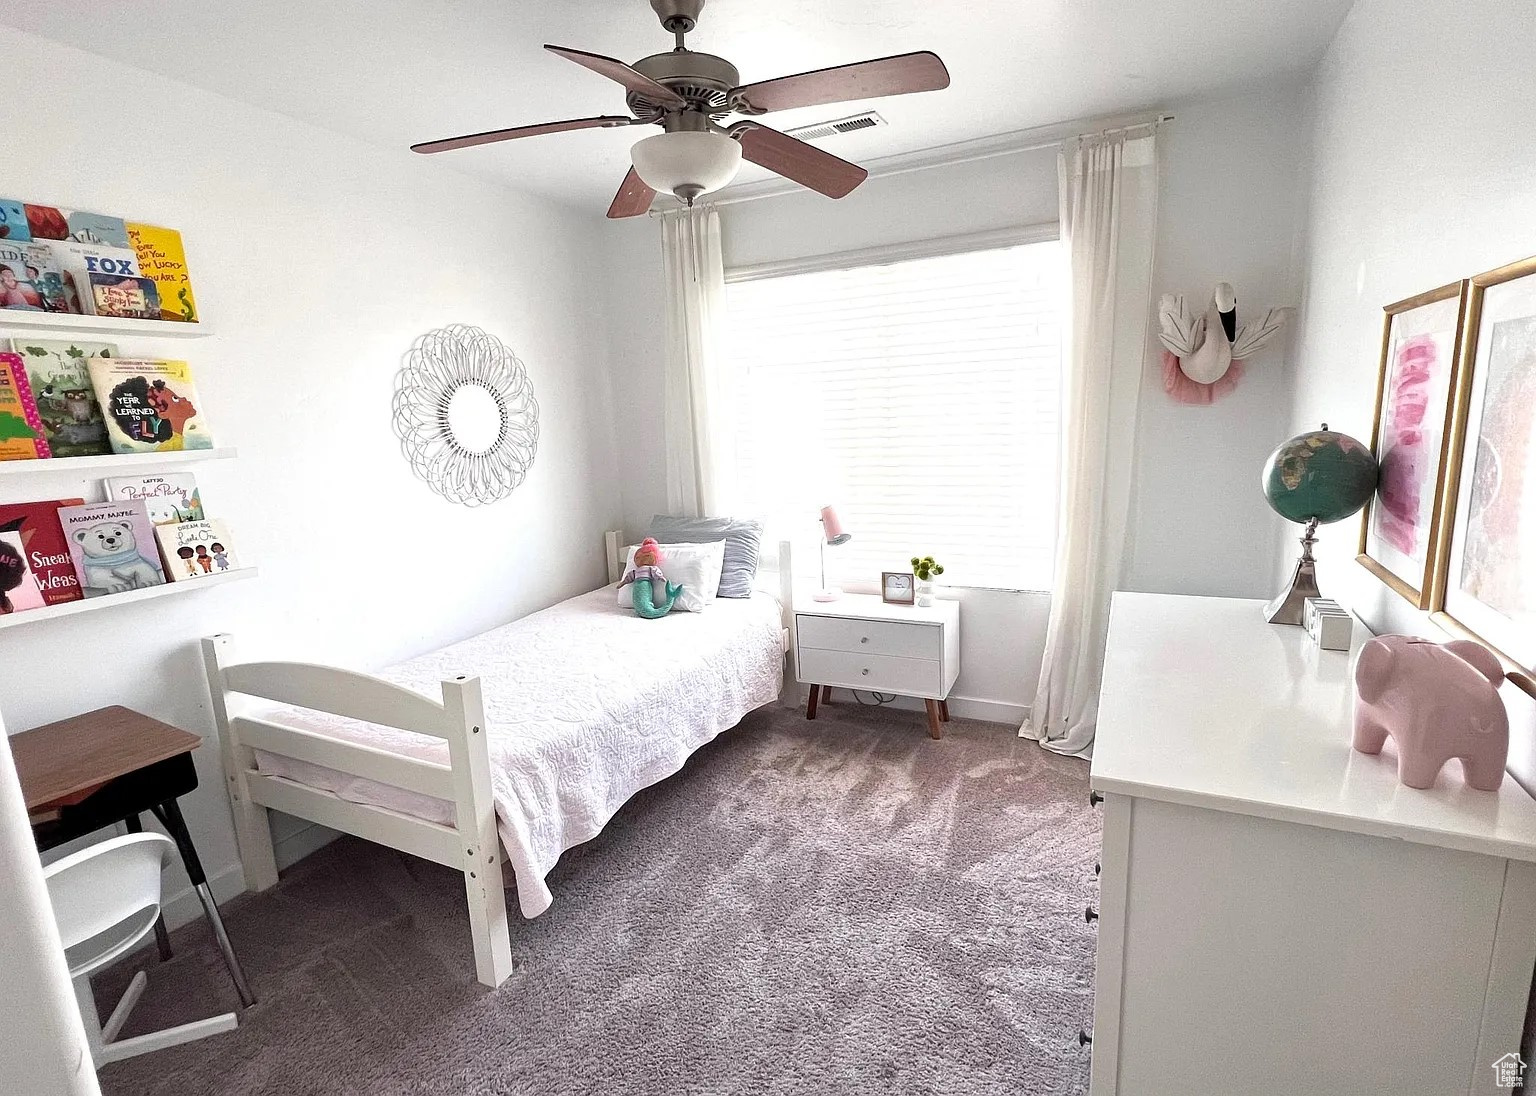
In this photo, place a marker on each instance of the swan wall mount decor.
(1203, 355)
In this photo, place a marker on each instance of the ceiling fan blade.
(794, 159)
(899, 75)
(619, 72)
(633, 199)
(492, 135)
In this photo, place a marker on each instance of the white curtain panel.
(1108, 222)
(695, 376)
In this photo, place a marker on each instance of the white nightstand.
(860, 642)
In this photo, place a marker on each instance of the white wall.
(1424, 159)
(1230, 200)
(1229, 209)
(316, 259)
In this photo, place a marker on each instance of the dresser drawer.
(877, 673)
(876, 637)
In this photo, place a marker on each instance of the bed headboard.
(777, 576)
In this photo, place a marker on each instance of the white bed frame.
(470, 845)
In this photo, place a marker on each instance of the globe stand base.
(1290, 604)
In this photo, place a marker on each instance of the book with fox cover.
(21, 427)
(196, 549)
(162, 259)
(150, 406)
(113, 547)
(42, 540)
(58, 372)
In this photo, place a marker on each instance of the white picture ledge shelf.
(107, 462)
(62, 323)
(107, 601)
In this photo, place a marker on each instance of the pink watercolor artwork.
(1406, 466)
(1416, 393)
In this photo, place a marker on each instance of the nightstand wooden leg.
(810, 705)
(826, 694)
(934, 730)
(944, 711)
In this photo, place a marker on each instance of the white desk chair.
(106, 899)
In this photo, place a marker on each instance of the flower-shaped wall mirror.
(465, 415)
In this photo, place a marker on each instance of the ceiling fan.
(687, 94)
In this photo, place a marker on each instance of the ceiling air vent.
(867, 120)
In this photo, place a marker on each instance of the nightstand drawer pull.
(1083, 1038)
(1090, 915)
(863, 639)
(864, 672)
(1094, 799)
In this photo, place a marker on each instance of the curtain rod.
(1046, 137)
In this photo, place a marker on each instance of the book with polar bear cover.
(113, 546)
(196, 549)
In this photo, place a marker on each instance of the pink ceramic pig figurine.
(1437, 701)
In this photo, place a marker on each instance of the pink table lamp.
(832, 532)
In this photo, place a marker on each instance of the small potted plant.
(926, 569)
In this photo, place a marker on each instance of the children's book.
(51, 281)
(171, 498)
(150, 406)
(16, 288)
(18, 587)
(161, 258)
(13, 221)
(97, 228)
(46, 222)
(42, 539)
(81, 260)
(117, 295)
(112, 545)
(21, 427)
(196, 549)
(66, 402)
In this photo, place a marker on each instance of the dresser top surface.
(870, 607)
(1207, 705)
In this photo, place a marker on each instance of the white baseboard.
(293, 847)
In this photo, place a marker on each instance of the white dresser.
(1277, 913)
(860, 642)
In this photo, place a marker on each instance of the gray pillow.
(743, 542)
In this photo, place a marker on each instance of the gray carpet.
(843, 906)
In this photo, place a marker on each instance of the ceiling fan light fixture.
(686, 164)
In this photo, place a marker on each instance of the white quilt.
(585, 704)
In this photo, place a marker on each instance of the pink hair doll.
(649, 581)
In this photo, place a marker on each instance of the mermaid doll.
(650, 582)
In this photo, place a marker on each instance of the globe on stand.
(1315, 478)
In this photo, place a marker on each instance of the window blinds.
(920, 397)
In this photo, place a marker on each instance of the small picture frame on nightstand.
(898, 587)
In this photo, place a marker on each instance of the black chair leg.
(169, 814)
(162, 937)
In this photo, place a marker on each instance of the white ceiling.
(400, 71)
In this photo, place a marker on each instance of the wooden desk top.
(75, 755)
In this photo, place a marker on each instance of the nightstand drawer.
(878, 673)
(876, 637)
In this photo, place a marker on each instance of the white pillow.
(696, 566)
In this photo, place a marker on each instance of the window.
(920, 396)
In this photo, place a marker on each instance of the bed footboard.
(470, 845)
